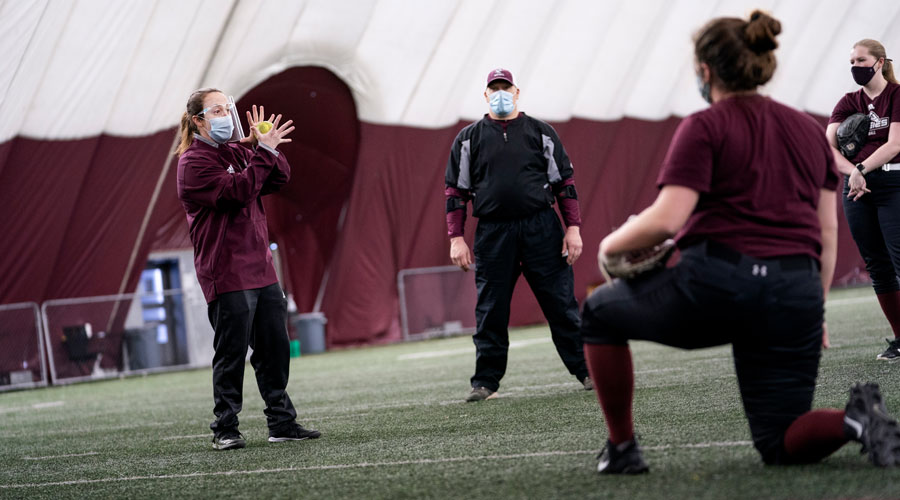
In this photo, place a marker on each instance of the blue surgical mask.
(705, 89)
(220, 129)
(502, 102)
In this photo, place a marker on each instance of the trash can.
(143, 351)
(310, 330)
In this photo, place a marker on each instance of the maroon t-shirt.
(758, 166)
(882, 111)
(221, 189)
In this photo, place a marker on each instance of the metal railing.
(22, 362)
(87, 338)
(436, 302)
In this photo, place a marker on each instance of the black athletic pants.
(874, 222)
(503, 250)
(257, 319)
(771, 311)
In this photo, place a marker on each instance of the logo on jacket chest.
(230, 169)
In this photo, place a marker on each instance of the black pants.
(251, 318)
(504, 250)
(771, 311)
(874, 222)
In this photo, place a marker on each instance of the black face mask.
(863, 74)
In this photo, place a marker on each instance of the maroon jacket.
(221, 188)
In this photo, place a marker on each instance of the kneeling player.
(749, 186)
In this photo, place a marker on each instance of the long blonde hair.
(188, 127)
(877, 51)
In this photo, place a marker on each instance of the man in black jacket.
(513, 167)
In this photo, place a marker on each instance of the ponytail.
(187, 134)
(188, 127)
(888, 71)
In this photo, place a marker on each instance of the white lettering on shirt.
(876, 122)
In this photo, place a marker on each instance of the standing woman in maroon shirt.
(748, 190)
(872, 177)
(221, 185)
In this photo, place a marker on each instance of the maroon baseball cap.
(500, 74)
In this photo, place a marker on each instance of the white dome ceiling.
(80, 68)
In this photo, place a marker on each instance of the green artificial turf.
(394, 426)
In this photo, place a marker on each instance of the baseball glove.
(852, 134)
(629, 265)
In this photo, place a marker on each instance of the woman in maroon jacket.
(872, 178)
(748, 185)
(221, 185)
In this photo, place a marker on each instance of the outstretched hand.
(253, 120)
(273, 137)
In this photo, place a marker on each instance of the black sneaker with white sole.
(228, 440)
(626, 458)
(866, 420)
(892, 353)
(294, 432)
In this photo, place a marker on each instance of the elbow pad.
(568, 192)
(455, 203)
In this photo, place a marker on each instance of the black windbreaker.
(509, 171)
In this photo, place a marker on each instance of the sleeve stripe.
(463, 181)
(552, 168)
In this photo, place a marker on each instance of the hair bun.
(761, 31)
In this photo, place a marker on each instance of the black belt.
(787, 263)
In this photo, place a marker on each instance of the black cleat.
(625, 458)
(866, 420)
(228, 440)
(892, 353)
(294, 432)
